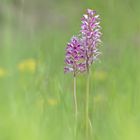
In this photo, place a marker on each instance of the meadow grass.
(36, 100)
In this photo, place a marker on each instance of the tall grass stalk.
(75, 98)
(75, 104)
(87, 106)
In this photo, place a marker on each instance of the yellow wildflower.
(100, 75)
(27, 65)
(52, 102)
(3, 72)
(100, 102)
(99, 98)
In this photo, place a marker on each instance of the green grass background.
(39, 105)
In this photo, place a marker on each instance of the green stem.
(87, 106)
(75, 98)
(75, 107)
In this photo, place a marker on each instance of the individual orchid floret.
(90, 32)
(75, 57)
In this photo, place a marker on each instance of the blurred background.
(36, 96)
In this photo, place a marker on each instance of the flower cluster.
(90, 30)
(83, 50)
(75, 56)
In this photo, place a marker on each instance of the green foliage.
(36, 97)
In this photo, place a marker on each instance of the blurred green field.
(36, 100)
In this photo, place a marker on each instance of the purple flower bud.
(75, 57)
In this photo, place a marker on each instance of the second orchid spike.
(91, 36)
